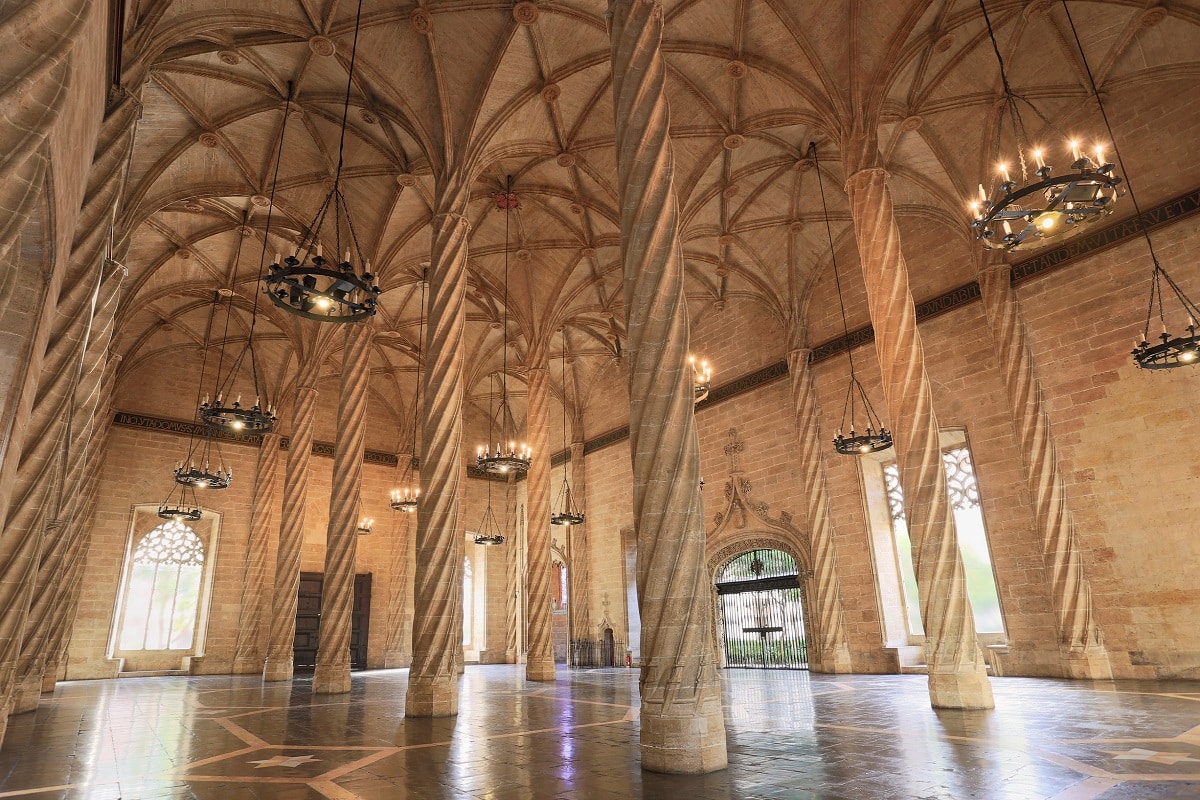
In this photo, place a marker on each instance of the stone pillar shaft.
(539, 578)
(280, 656)
(579, 570)
(957, 678)
(682, 726)
(247, 654)
(1080, 640)
(833, 650)
(398, 649)
(80, 406)
(437, 578)
(345, 505)
(512, 575)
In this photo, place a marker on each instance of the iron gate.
(762, 618)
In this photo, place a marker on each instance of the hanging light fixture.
(488, 532)
(1024, 211)
(570, 513)
(876, 437)
(701, 377)
(508, 456)
(404, 496)
(196, 469)
(365, 526)
(306, 283)
(216, 411)
(1171, 351)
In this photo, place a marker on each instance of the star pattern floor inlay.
(791, 736)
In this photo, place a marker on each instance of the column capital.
(868, 174)
(115, 269)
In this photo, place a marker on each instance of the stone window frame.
(889, 583)
(144, 520)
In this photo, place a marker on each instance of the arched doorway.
(761, 611)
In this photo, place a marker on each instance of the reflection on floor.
(791, 735)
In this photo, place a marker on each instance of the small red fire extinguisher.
(628, 661)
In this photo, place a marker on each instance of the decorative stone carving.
(368, 116)
(210, 139)
(551, 92)
(912, 123)
(260, 200)
(733, 141)
(229, 57)
(322, 45)
(525, 12)
(565, 159)
(421, 21)
(406, 179)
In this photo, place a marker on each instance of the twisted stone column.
(398, 649)
(280, 656)
(1080, 640)
(36, 40)
(82, 521)
(247, 651)
(437, 579)
(682, 727)
(79, 405)
(833, 650)
(579, 570)
(512, 576)
(341, 541)
(539, 578)
(957, 678)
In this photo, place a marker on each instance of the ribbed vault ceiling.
(497, 89)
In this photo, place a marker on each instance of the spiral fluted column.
(247, 651)
(682, 728)
(539, 577)
(36, 40)
(957, 678)
(82, 521)
(834, 651)
(80, 404)
(397, 650)
(1080, 640)
(512, 576)
(437, 578)
(341, 540)
(280, 656)
(579, 605)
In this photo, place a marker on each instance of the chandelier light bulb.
(1003, 170)
(1039, 158)
(1075, 153)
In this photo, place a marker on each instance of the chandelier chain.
(812, 148)
(262, 258)
(1137, 209)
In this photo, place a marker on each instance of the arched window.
(162, 596)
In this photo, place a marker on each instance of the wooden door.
(308, 621)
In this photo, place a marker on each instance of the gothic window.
(972, 541)
(162, 596)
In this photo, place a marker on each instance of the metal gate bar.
(762, 620)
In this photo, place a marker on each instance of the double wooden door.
(308, 621)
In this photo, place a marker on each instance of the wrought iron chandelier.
(216, 411)
(307, 284)
(365, 526)
(404, 496)
(195, 470)
(876, 437)
(488, 532)
(507, 456)
(701, 377)
(570, 513)
(1024, 211)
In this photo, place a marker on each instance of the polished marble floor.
(791, 735)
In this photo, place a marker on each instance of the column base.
(1089, 664)
(431, 699)
(836, 661)
(49, 678)
(684, 745)
(247, 665)
(540, 670)
(278, 668)
(331, 679)
(397, 660)
(962, 690)
(28, 693)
